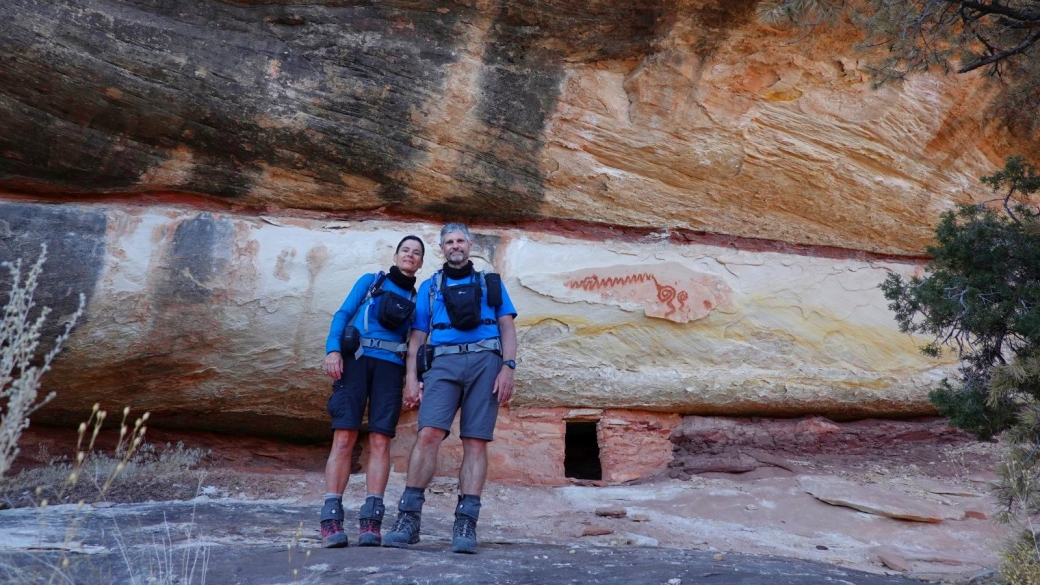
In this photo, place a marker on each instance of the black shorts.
(379, 383)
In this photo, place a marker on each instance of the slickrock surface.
(879, 501)
(764, 512)
(265, 547)
(733, 529)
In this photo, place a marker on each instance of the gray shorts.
(463, 381)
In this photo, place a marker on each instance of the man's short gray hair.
(456, 227)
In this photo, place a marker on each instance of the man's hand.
(413, 390)
(504, 385)
(334, 365)
(504, 381)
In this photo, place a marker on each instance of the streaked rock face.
(217, 321)
(657, 114)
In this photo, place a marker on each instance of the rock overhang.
(656, 115)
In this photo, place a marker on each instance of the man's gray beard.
(455, 264)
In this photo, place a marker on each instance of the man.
(468, 317)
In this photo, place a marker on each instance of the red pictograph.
(594, 282)
(665, 293)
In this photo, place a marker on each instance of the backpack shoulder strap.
(368, 295)
(373, 291)
(433, 296)
(377, 285)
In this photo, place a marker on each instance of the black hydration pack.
(463, 304)
(462, 301)
(392, 312)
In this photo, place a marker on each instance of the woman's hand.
(413, 390)
(334, 365)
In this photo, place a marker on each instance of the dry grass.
(20, 365)
(169, 473)
(182, 558)
(1020, 566)
(133, 471)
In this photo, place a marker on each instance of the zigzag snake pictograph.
(665, 293)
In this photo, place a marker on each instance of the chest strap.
(492, 344)
(440, 326)
(383, 344)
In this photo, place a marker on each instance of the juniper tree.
(1018, 486)
(980, 295)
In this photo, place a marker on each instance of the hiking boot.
(405, 530)
(464, 534)
(332, 535)
(371, 520)
(370, 535)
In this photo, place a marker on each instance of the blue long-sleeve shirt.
(375, 330)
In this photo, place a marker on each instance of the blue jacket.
(375, 330)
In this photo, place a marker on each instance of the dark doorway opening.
(581, 451)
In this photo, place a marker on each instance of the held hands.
(413, 390)
(334, 365)
(504, 385)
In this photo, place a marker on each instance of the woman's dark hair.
(422, 246)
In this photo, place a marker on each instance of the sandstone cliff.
(692, 211)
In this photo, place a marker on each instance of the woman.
(364, 355)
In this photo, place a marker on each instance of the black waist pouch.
(463, 304)
(394, 310)
(423, 359)
(350, 341)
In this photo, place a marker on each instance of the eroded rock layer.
(680, 114)
(217, 321)
(727, 445)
